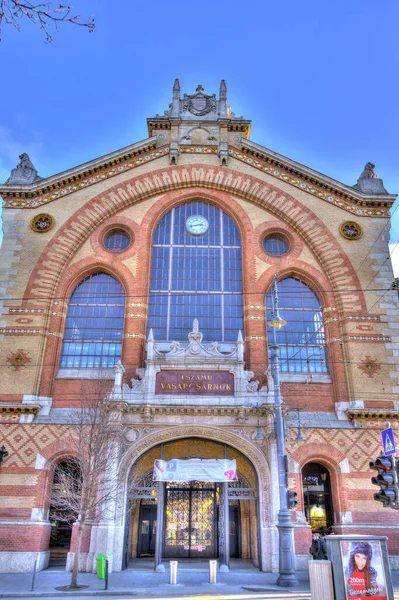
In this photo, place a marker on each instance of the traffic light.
(291, 499)
(387, 480)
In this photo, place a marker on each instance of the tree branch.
(45, 15)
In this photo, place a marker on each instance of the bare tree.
(46, 15)
(86, 484)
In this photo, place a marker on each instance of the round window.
(275, 245)
(117, 240)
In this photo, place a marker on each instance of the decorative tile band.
(255, 337)
(199, 149)
(364, 338)
(81, 181)
(32, 409)
(136, 335)
(25, 310)
(353, 205)
(5, 331)
(362, 318)
(137, 315)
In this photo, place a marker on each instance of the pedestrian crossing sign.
(388, 441)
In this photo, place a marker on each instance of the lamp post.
(287, 577)
(3, 453)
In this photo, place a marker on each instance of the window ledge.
(86, 374)
(305, 378)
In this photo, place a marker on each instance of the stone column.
(224, 525)
(159, 567)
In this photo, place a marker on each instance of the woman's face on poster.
(360, 561)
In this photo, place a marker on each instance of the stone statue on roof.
(24, 173)
(369, 182)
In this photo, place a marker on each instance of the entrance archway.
(192, 511)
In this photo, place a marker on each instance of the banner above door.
(195, 469)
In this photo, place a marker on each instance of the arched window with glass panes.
(302, 341)
(94, 324)
(196, 273)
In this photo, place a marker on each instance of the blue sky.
(319, 79)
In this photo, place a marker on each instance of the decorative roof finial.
(176, 86)
(175, 107)
(223, 99)
(223, 90)
(369, 183)
(24, 173)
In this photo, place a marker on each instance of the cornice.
(148, 411)
(58, 186)
(373, 414)
(162, 123)
(313, 182)
(19, 409)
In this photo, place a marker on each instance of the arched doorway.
(62, 514)
(317, 497)
(192, 511)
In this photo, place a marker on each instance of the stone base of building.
(301, 561)
(23, 562)
(87, 562)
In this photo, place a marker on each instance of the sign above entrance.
(198, 383)
(195, 469)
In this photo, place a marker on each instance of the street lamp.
(287, 577)
(259, 435)
(297, 410)
(3, 453)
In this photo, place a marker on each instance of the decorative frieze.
(311, 186)
(79, 181)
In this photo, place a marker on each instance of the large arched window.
(302, 341)
(196, 273)
(94, 324)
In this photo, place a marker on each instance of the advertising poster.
(363, 570)
(195, 469)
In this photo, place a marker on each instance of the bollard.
(173, 572)
(34, 572)
(106, 575)
(213, 565)
(321, 583)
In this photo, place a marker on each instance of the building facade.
(150, 270)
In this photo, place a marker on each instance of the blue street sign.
(388, 441)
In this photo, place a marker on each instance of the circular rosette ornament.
(42, 223)
(351, 230)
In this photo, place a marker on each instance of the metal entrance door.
(148, 528)
(190, 523)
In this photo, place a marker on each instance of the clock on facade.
(197, 225)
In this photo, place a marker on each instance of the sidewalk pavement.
(242, 584)
(191, 580)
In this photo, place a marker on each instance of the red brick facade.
(347, 277)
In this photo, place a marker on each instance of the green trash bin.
(101, 558)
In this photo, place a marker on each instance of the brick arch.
(311, 276)
(318, 451)
(251, 452)
(56, 450)
(202, 178)
(75, 273)
(53, 453)
(56, 323)
(329, 457)
(319, 283)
